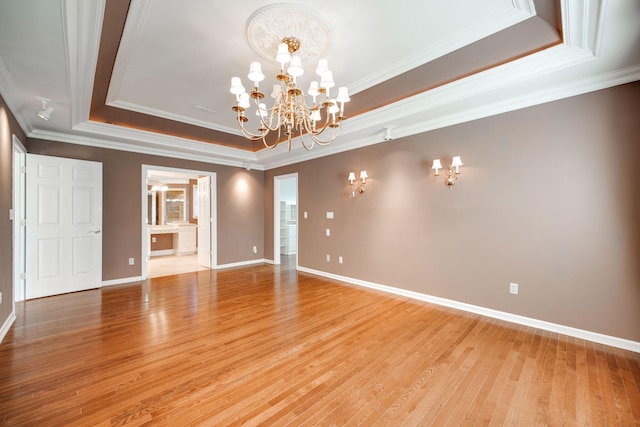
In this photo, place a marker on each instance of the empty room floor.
(268, 345)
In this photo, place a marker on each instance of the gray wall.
(548, 198)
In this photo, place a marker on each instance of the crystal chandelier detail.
(293, 113)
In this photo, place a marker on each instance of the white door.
(64, 225)
(204, 221)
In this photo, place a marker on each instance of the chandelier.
(293, 113)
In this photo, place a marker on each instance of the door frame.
(18, 215)
(144, 256)
(277, 180)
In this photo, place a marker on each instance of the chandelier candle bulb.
(322, 67)
(255, 73)
(436, 165)
(283, 56)
(456, 162)
(295, 68)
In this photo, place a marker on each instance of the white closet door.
(64, 225)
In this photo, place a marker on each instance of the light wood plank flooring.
(268, 345)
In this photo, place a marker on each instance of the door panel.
(64, 222)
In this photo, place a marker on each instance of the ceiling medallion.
(269, 25)
(290, 36)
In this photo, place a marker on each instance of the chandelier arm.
(315, 135)
(276, 142)
(319, 141)
(302, 141)
(247, 134)
(268, 126)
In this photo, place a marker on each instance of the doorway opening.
(178, 224)
(285, 226)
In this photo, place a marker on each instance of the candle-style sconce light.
(357, 185)
(450, 175)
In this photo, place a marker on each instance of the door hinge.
(23, 222)
(23, 169)
(23, 276)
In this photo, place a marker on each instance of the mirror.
(167, 206)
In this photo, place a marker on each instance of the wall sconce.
(450, 176)
(355, 185)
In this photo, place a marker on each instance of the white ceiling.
(176, 55)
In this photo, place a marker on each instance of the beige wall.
(240, 210)
(548, 198)
(8, 127)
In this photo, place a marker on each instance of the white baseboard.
(7, 325)
(242, 263)
(122, 281)
(509, 317)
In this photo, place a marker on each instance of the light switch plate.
(329, 215)
(513, 288)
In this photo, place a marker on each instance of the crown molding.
(164, 146)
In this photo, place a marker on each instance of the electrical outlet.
(328, 258)
(327, 232)
(132, 261)
(306, 215)
(513, 288)
(0, 297)
(153, 240)
(255, 250)
(339, 260)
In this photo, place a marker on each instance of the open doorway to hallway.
(286, 219)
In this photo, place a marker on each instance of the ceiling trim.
(82, 26)
(170, 116)
(187, 150)
(134, 23)
(215, 152)
(525, 5)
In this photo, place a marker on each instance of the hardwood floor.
(267, 345)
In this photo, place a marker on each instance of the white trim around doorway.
(144, 265)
